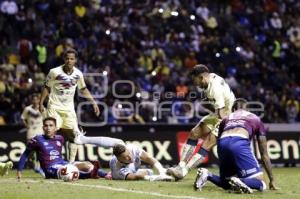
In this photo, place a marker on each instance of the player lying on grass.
(126, 162)
(235, 155)
(4, 167)
(49, 147)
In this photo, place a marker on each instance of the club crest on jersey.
(54, 153)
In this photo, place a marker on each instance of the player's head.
(200, 74)
(70, 57)
(49, 126)
(239, 103)
(122, 153)
(35, 98)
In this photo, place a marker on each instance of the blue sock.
(254, 183)
(102, 173)
(218, 181)
(203, 152)
(192, 142)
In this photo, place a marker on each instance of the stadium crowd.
(255, 45)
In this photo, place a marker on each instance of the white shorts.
(64, 119)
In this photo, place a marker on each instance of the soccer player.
(61, 83)
(49, 147)
(33, 121)
(235, 155)
(126, 162)
(220, 95)
(4, 167)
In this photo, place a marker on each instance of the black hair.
(198, 69)
(70, 51)
(239, 103)
(118, 149)
(49, 119)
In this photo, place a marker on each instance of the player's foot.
(94, 172)
(201, 178)
(238, 186)
(4, 169)
(78, 134)
(177, 172)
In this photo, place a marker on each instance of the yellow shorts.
(64, 119)
(212, 122)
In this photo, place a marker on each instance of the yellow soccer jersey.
(63, 87)
(219, 93)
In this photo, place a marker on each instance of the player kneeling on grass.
(235, 155)
(49, 151)
(126, 162)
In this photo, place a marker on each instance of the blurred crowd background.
(254, 45)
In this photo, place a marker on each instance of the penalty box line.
(104, 187)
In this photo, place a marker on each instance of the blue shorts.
(237, 158)
(51, 171)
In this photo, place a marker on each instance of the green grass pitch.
(32, 186)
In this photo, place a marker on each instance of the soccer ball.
(68, 173)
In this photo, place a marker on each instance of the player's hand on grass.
(96, 109)
(272, 186)
(19, 175)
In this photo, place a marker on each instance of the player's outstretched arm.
(86, 93)
(145, 157)
(136, 176)
(22, 162)
(44, 95)
(262, 143)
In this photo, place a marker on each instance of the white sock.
(187, 151)
(99, 141)
(195, 161)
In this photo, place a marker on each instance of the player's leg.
(78, 137)
(68, 126)
(209, 134)
(99, 141)
(204, 129)
(248, 169)
(180, 171)
(227, 169)
(208, 142)
(91, 170)
(5, 167)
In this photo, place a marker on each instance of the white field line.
(104, 187)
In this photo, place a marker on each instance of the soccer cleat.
(4, 169)
(78, 134)
(238, 186)
(177, 172)
(201, 179)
